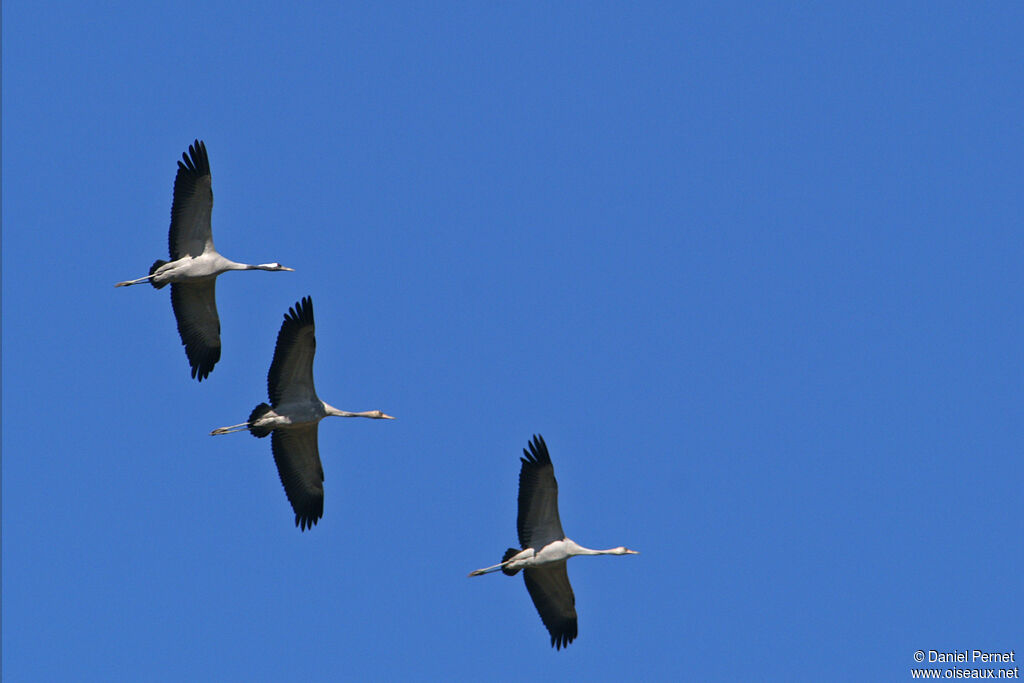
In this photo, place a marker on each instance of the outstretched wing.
(538, 523)
(553, 597)
(195, 309)
(190, 233)
(298, 463)
(291, 373)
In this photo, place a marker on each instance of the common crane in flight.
(195, 264)
(294, 414)
(545, 547)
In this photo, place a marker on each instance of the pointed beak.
(386, 417)
(290, 270)
(632, 552)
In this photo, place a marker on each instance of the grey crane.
(544, 546)
(195, 264)
(293, 416)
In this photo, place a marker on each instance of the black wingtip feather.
(196, 162)
(538, 453)
(310, 515)
(202, 359)
(306, 521)
(560, 640)
(510, 553)
(258, 412)
(301, 312)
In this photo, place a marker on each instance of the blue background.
(754, 270)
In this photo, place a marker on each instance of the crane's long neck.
(373, 414)
(344, 413)
(231, 265)
(576, 549)
(580, 550)
(228, 264)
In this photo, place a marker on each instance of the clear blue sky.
(754, 270)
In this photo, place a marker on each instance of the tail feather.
(509, 554)
(153, 269)
(258, 412)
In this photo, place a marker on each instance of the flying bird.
(195, 264)
(545, 547)
(294, 414)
